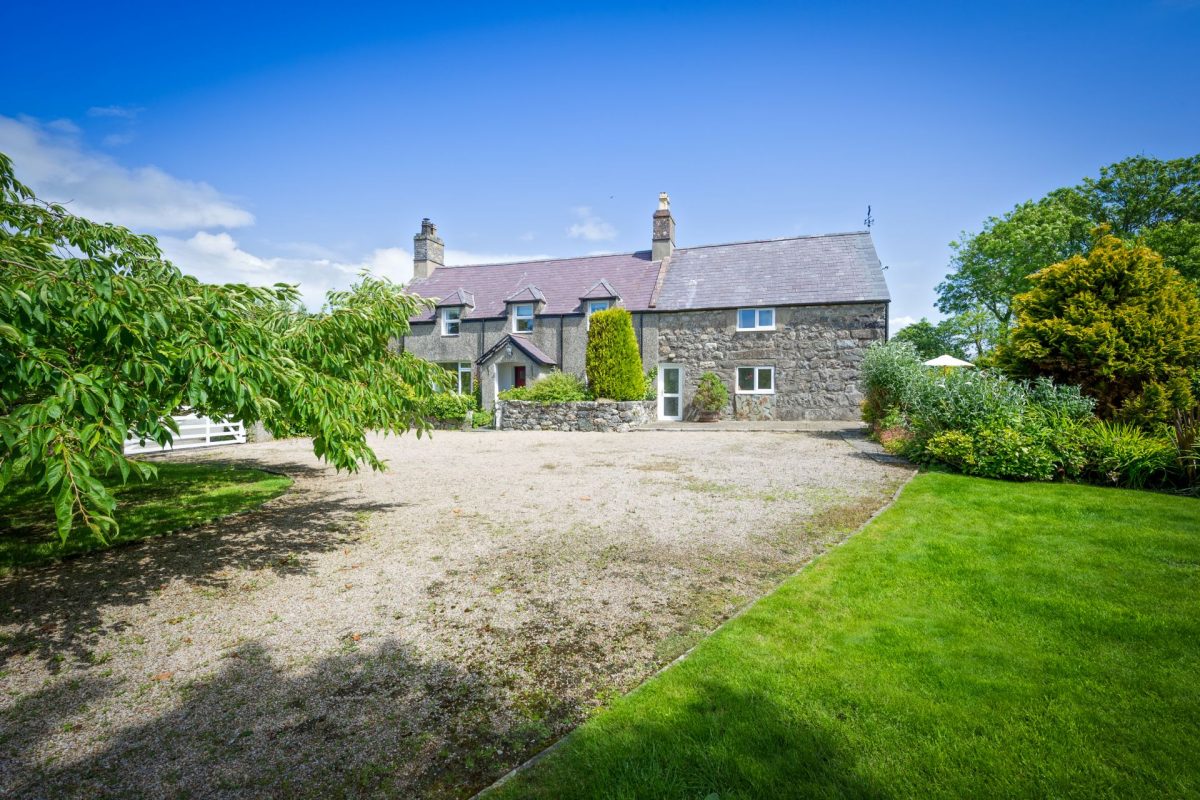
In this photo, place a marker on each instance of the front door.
(670, 391)
(518, 376)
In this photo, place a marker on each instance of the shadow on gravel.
(372, 720)
(57, 608)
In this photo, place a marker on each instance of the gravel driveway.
(416, 632)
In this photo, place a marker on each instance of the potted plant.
(711, 397)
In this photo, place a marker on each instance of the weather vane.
(869, 221)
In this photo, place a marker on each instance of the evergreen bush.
(614, 365)
(711, 394)
(1117, 323)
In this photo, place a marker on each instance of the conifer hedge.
(614, 366)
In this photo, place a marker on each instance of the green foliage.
(711, 394)
(179, 496)
(451, 405)
(614, 365)
(1153, 202)
(1125, 455)
(100, 337)
(990, 267)
(514, 393)
(555, 387)
(977, 421)
(651, 384)
(932, 340)
(888, 368)
(1118, 323)
(954, 448)
(482, 419)
(1150, 201)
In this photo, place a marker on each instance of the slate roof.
(603, 290)
(459, 297)
(563, 281)
(832, 268)
(521, 343)
(530, 294)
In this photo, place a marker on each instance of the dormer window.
(451, 321)
(523, 318)
(756, 319)
(598, 305)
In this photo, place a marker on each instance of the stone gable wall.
(817, 352)
(595, 415)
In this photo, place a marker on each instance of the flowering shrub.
(983, 423)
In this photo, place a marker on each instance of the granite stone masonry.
(816, 352)
(592, 415)
(810, 307)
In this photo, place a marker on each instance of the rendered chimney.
(429, 252)
(664, 229)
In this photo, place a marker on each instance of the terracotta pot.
(708, 416)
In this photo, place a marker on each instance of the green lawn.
(183, 495)
(979, 639)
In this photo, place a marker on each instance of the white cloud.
(896, 323)
(52, 160)
(590, 227)
(218, 258)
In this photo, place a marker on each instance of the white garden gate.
(194, 431)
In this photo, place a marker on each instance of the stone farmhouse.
(783, 322)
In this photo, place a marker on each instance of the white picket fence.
(194, 431)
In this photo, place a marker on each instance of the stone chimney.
(664, 229)
(429, 252)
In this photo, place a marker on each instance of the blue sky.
(304, 143)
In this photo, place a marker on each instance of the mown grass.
(978, 639)
(183, 495)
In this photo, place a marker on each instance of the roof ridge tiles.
(776, 239)
(542, 260)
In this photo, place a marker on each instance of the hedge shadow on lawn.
(724, 741)
(59, 608)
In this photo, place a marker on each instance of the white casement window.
(451, 321)
(461, 370)
(523, 318)
(756, 380)
(756, 319)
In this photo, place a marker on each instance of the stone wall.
(595, 415)
(816, 352)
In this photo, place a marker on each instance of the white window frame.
(517, 316)
(464, 369)
(758, 319)
(605, 305)
(459, 369)
(662, 368)
(446, 320)
(737, 382)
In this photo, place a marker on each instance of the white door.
(670, 391)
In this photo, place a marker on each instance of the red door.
(518, 376)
